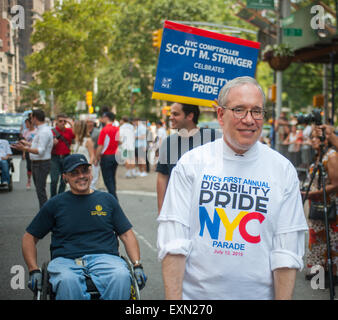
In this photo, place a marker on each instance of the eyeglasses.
(80, 170)
(241, 113)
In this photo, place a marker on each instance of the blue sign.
(194, 64)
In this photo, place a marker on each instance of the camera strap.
(60, 136)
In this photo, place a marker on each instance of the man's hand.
(19, 146)
(140, 276)
(35, 280)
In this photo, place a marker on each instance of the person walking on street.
(282, 130)
(127, 146)
(140, 148)
(28, 134)
(83, 143)
(40, 153)
(106, 151)
(184, 118)
(63, 137)
(294, 141)
(232, 224)
(94, 134)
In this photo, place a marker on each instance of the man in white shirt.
(40, 153)
(127, 146)
(232, 223)
(160, 132)
(141, 147)
(5, 153)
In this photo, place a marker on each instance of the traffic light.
(318, 100)
(272, 93)
(166, 110)
(157, 38)
(89, 98)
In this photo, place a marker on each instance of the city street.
(138, 199)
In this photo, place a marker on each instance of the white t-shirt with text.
(232, 208)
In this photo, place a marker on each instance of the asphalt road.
(137, 198)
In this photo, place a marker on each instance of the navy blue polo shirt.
(80, 224)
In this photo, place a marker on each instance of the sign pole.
(279, 75)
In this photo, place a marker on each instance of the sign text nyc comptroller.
(194, 64)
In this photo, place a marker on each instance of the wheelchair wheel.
(134, 289)
(44, 293)
(10, 185)
(45, 283)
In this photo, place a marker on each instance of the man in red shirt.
(62, 141)
(107, 148)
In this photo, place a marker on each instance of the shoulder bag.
(317, 211)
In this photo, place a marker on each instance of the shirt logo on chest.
(98, 211)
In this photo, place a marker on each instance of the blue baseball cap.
(73, 161)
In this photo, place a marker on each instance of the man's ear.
(220, 113)
(64, 178)
(190, 116)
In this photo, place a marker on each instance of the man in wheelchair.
(5, 153)
(83, 223)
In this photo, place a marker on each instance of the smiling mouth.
(247, 130)
(82, 180)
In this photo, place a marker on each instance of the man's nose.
(248, 118)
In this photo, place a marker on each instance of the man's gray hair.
(239, 81)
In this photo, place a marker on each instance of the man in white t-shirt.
(232, 223)
(161, 134)
(127, 146)
(140, 147)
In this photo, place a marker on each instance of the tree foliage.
(112, 40)
(72, 39)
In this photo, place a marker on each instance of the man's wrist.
(35, 270)
(137, 263)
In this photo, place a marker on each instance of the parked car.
(209, 124)
(10, 126)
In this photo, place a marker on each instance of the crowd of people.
(104, 141)
(294, 140)
(201, 187)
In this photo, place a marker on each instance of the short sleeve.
(177, 201)
(120, 221)
(288, 250)
(173, 238)
(100, 140)
(162, 165)
(291, 215)
(43, 222)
